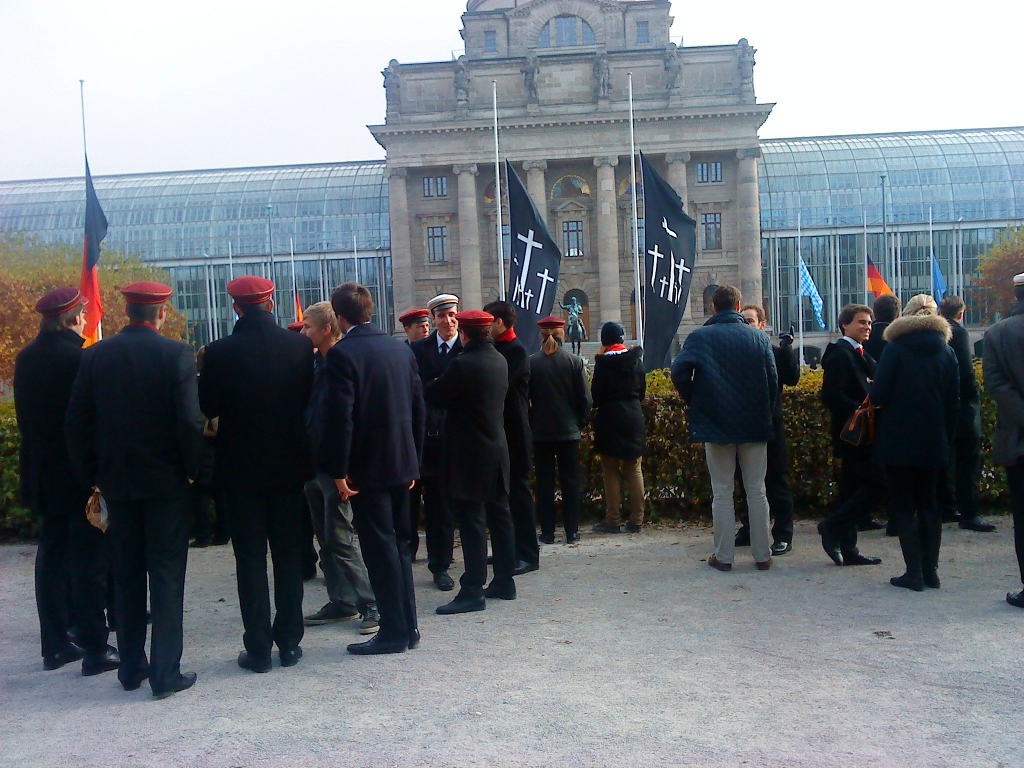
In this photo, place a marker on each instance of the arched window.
(566, 31)
(583, 301)
(570, 186)
(709, 306)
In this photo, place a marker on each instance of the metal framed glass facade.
(947, 192)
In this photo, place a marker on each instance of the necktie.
(443, 350)
(861, 350)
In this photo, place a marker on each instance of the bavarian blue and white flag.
(809, 289)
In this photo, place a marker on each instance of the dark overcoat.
(431, 366)
(472, 391)
(875, 344)
(44, 374)
(618, 388)
(917, 387)
(559, 396)
(1004, 380)
(517, 405)
(133, 426)
(970, 392)
(258, 382)
(845, 384)
(372, 411)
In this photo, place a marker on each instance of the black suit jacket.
(475, 454)
(133, 426)
(875, 344)
(258, 382)
(787, 365)
(373, 413)
(846, 383)
(517, 405)
(44, 374)
(431, 366)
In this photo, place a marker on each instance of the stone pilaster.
(402, 269)
(469, 237)
(536, 185)
(748, 225)
(608, 240)
(677, 174)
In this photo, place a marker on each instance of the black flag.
(671, 244)
(535, 259)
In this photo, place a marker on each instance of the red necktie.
(861, 350)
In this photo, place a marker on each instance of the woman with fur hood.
(916, 386)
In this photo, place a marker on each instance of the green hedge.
(675, 475)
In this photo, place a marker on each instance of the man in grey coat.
(1003, 366)
(726, 375)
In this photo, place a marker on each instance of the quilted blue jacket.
(726, 374)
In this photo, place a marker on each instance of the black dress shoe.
(781, 548)
(1016, 600)
(913, 583)
(98, 663)
(931, 580)
(201, 543)
(490, 559)
(870, 525)
(830, 544)
(184, 682)
(134, 683)
(414, 639)
(859, 559)
(572, 538)
(376, 646)
(290, 657)
(463, 605)
(976, 524)
(500, 593)
(254, 663)
(546, 539)
(742, 537)
(444, 582)
(524, 567)
(71, 653)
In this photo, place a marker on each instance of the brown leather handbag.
(859, 429)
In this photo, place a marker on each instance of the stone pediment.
(528, 8)
(570, 206)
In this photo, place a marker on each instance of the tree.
(994, 289)
(29, 268)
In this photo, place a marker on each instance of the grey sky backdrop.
(213, 84)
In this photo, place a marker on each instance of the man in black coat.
(475, 471)
(886, 309)
(848, 371)
(70, 552)
(258, 381)
(965, 473)
(776, 479)
(517, 434)
(433, 356)
(135, 432)
(371, 441)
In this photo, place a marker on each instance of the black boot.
(931, 543)
(910, 543)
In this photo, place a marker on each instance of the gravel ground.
(621, 651)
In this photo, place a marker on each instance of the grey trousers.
(753, 460)
(340, 558)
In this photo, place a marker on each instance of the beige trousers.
(611, 467)
(753, 460)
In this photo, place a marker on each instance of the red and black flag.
(95, 231)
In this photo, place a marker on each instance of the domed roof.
(496, 5)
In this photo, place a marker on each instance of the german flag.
(95, 231)
(876, 284)
(298, 309)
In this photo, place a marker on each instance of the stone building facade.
(561, 69)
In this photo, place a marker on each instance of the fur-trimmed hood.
(911, 323)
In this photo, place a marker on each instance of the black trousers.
(567, 455)
(858, 488)
(381, 517)
(150, 538)
(1015, 480)
(70, 562)
(524, 517)
(475, 517)
(918, 517)
(778, 490)
(278, 518)
(958, 487)
(439, 521)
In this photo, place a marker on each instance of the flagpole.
(295, 288)
(931, 254)
(800, 291)
(638, 288)
(231, 263)
(497, 194)
(867, 283)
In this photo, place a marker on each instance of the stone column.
(677, 174)
(469, 237)
(748, 222)
(402, 272)
(608, 240)
(537, 186)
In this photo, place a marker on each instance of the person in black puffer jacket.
(917, 387)
(620, 435)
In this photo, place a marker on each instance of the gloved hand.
(786, 339)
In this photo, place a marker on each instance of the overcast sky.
(217, 83)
